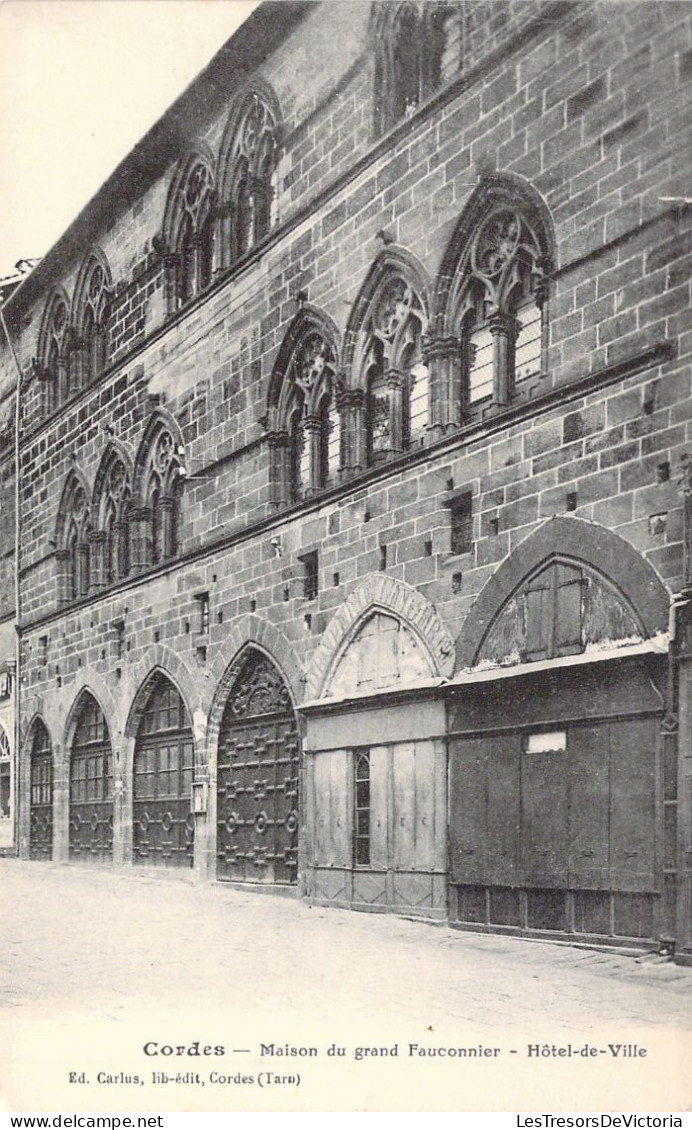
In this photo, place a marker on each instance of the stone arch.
(28, 731)
(57, 297)
(378, 592)
(258, 88)
(245, 632)
(91, 684)
(200, 154)
(391, 259)
(159, 420)
(76, 480)
(161, 660)
(115, 450)
(496, 188)
(309, 319)
(582, 541)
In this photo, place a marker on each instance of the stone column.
(442, 355)
(82, 578)
(279, 468)
(395, 384)
(167, 510)
(62, 559)
(98, 557)
(120, 564)
(312, 431)
(170, 274)
(61, 804)
(503, 330)
(350, 404)
(140, 526)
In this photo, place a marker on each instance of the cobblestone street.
(97, 964)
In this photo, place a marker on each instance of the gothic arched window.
(188, 235)
(89, 355)
(160, 488)
(248, 167)
(306, 427)
(73, 537)
(498, 308)
(410, 40)
(112, 499)
(392, 371)
(53, 354)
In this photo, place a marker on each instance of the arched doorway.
(5, 775)
(258, 778)
(555, 751)
(163, 770)
(91, 787)
(41, 795)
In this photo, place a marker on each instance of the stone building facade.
(355, 416)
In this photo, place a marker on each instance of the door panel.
(258, 778)
(632, 827)
(468, 810)
(503, 810)
(379, 807)
(331, 818)
(589, 807)
(544, 819)
(162, 822)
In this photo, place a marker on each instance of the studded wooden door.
(163, 824)
(258, 772)
(41, 802)
(91, 788)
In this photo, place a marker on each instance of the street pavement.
(100, 970)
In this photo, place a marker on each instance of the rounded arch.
(395, 598)
(581, 541)
(391, 260)
(493, 190)
(243, 633)
(258, 89)
(308, 320)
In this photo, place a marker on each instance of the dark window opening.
(310, 563)
(361, 810)
(202, 599)
(461, 510)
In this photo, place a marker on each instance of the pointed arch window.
(53, 364)
(74, 530)
(305, 423)
(501, 310)
(249, 174)
(114, 502)
(411, 41)
(393, 372)
(313, 428)
(41, 795)
(162, 496)
(90, 355)
(188, 243)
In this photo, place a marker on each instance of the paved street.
(98, 964)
